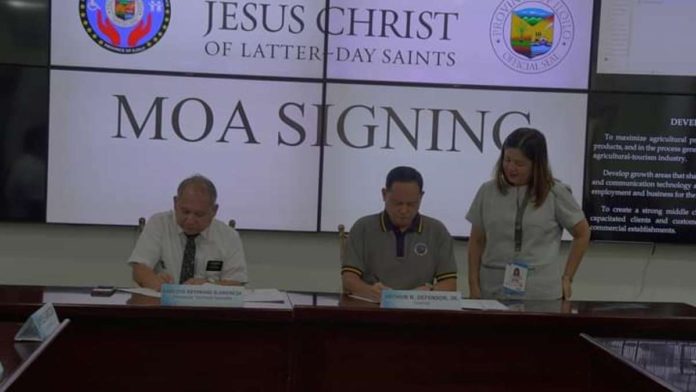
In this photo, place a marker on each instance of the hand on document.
(375, 292)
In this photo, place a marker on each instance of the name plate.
(204, 295)
(39, 325)
(414, 299)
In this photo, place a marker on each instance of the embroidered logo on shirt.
(420, 249)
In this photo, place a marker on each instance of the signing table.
(326, 342)
(129, 342)
(643, 364)
(17, 357)
(350, 345)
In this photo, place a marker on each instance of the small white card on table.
(39, 326)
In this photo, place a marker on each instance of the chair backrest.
(141, 224)
(342, 241)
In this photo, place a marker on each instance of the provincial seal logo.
(125, 26)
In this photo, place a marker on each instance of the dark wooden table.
(17, 357)
(129, 342)
(642, 364)
(350, 345)
(326, 342)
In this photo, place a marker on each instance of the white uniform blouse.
(494, 212)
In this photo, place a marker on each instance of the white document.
(265, 295)
(63, 297)
(301, 299)
(362, 298)
(327, 300)
(142, 291)
(482, 304)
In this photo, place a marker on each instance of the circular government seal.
(420, 249)
(532, 36)
(125, 26)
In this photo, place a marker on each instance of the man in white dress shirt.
(187, 245)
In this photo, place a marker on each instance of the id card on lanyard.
(515, 280)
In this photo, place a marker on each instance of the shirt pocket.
(501, 229)
(540, 224)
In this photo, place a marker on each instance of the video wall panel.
(24, 32)
(471, 42)
(269, 38)
(647, 38)
(298, 109)
(23, 138)
(646, 46)
(453, 137)
(641, 167)
(119, 145)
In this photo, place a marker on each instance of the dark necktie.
(188, 263)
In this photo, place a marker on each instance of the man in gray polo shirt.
(399, 248)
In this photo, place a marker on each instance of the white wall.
(64, 255)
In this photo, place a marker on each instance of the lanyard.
(518, 221)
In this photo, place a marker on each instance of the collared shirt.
(416, 226)
(379, 252)
(494, 213)
(161, 247)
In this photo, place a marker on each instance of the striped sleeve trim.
(354, 270)
(445, 276)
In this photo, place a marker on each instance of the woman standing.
(517, 220)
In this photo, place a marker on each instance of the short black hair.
(404, 174)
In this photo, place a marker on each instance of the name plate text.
(413, 299)
(204, 295)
